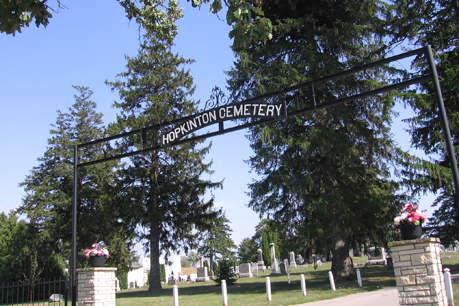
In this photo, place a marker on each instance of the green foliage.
(160, 192)
(215, 268)
(247, 19)
(122, 278)
(434, 23)
(247, 250)
(185, 262)
(193, 258)
(266, 250)
(226, 273)
(162, 273)
(217, 240)
(16, 14)
(26, 254)
(49, 188)
(324, 175)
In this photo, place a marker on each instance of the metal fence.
(51, 292)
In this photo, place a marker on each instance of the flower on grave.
(410, 215)
(98, 249)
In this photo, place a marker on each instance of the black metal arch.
(219, 100)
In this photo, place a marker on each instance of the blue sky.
(85, 45)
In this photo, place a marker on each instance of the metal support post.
(444, 119)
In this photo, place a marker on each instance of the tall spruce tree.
(49, 188)
(434, 23)
(161, 191)
(217, 242)
(324, 173)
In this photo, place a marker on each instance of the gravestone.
(299, 259)
(201, 262)
(282, 268)
(275, 265)
(245, 270)
(117, 285)
(376, 256)
(237, 270)
(255, 268)
(172, 280)
(287, 269)
(261, 263)
(292, 260)
(316, 262)
(56, 298)
(202, 275)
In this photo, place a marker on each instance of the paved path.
(383, 297)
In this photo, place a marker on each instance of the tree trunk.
(155, 278)
(342, 265)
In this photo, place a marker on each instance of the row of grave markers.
(304, 290)
(268, 287)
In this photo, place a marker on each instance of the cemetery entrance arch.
(262, 109)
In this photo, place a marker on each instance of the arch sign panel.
(223, 113)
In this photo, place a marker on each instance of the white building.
(139, 275)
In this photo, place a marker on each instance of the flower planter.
(97, 261)
(410, 231)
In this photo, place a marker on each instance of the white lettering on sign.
(222, 113)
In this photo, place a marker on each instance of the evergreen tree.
(326, 173)
(247, 251)
(226, 272)
(433, 23)
(161, 191)
(217, 241)
(26, 255)
(49, 188)
(266, 249)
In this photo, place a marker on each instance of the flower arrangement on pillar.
(97, 254)
(410, 222)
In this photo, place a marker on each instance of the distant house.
(136, 277)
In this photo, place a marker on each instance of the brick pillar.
(96, 287)
(418, 272)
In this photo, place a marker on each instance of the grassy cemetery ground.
(252, 291)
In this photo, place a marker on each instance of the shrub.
(162, 273)
(225, 273)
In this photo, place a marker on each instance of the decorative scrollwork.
(217, 98)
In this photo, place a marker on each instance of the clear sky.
(85, 45)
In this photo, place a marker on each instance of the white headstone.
(274, 264)
(202, 275)
(201, 262)
(255, 268)
(245, 270)
(261, 263)
(292, 260)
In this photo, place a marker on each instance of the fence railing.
(51, 292)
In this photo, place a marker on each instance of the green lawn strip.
(252, 291)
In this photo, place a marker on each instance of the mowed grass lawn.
(252, 291)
